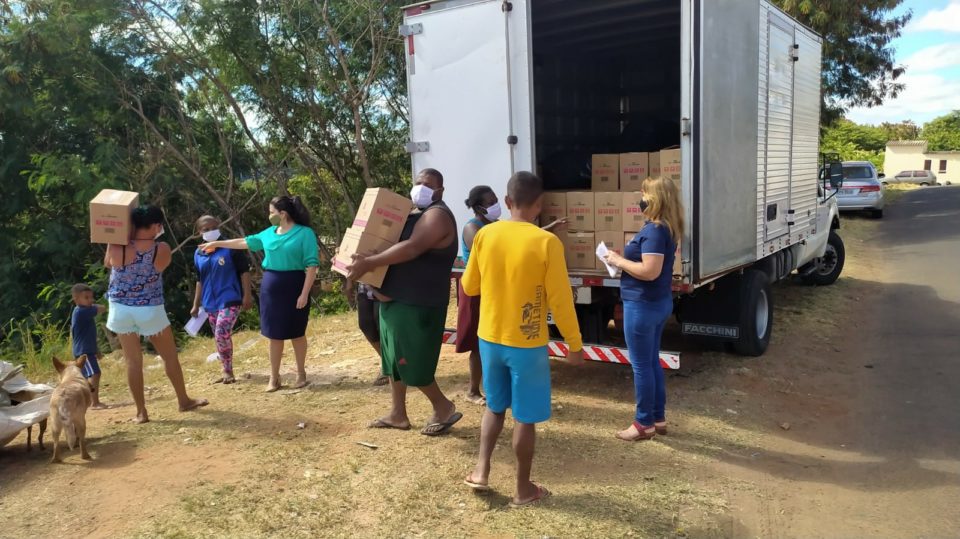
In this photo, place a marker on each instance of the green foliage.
(332, 302)
(854, 142)
(33, 342)
(858, 61)
(943, 134)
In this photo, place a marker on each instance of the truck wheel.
(756, 314)
(828, 267)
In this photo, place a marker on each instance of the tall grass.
(33, 342)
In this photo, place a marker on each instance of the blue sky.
(930, 50)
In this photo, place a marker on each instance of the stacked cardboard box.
(670, 165)
(581, 211)
(580, 250)
(554, 207)
(634, 168)
(605, 172)
(110, 213)
(377, 226)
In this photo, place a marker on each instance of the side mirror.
(881, 175)
(836, 175)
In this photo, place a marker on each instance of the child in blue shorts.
(520, 274)
(83, 331)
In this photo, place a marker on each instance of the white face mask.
(494, 212)
(211, 235)
(421, 195)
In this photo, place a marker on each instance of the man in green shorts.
(413, 304)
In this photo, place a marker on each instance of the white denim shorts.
(147, 320)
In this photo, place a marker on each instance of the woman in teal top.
(290, 261)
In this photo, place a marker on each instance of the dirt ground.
(759, 447)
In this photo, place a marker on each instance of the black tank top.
(425, 280)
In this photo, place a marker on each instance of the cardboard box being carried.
(608, 208)
(605, 172)
(382, 213)
(613, 241)
(634, 168)
(670, 164)
(653, 166)
(580, 210)
(110, 216)
(357, 241)
(554, 207)
(633, 218)
(581, 250)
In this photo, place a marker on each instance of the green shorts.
(410, 340)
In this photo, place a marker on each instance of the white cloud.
(934, 58)
(938, 19)
(927, 95)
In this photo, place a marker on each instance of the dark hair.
(475, 199)
(294, 208)
(204, 218)
(146, 216)
(524, 189)
(80, 288)
(433, 173)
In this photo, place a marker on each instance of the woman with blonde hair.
(645, 288)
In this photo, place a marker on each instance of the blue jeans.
(643, 326)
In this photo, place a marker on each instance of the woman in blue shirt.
(290, 264)
(646, 291)
(223, 287)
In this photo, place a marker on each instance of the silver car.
(861, 189)
(921, 177)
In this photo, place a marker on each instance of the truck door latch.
(415, 147)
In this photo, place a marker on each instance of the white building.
(904, 155)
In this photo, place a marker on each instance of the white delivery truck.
(498, 86)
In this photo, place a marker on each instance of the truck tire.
(828, 267)
(756, 314)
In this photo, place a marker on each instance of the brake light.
(870, 189)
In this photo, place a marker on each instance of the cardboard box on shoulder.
(110, 213)
(608, 208)
(670, 164)
(358, 241)
(382, 213)
(634, 168)
(633, 218)
(613, 241)
(580, 250)
(653, 164)
(580, 210)
(554, 207)
(605, 172)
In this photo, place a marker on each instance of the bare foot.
(194, 404)
(140, 419)
(229, 379)
(300, 384)
(389, 423)
(272, 386)
(99, 406)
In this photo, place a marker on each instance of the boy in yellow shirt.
(520, 273)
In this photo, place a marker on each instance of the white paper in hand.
(601, 254)
(195, 324)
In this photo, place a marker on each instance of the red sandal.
(643, 433)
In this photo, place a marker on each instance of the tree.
(943, 134)
(855, 142)
(858, 62)
(906, 130)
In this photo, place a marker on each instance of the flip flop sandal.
(437, 429)
(542, 493)
(381, 424)
(477, 487)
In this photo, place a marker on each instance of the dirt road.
(878, 448)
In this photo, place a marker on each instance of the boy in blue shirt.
(83, 331)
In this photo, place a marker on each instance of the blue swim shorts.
(517, 378)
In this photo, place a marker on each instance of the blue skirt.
(280, 319)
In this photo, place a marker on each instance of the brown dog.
(68, 407)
